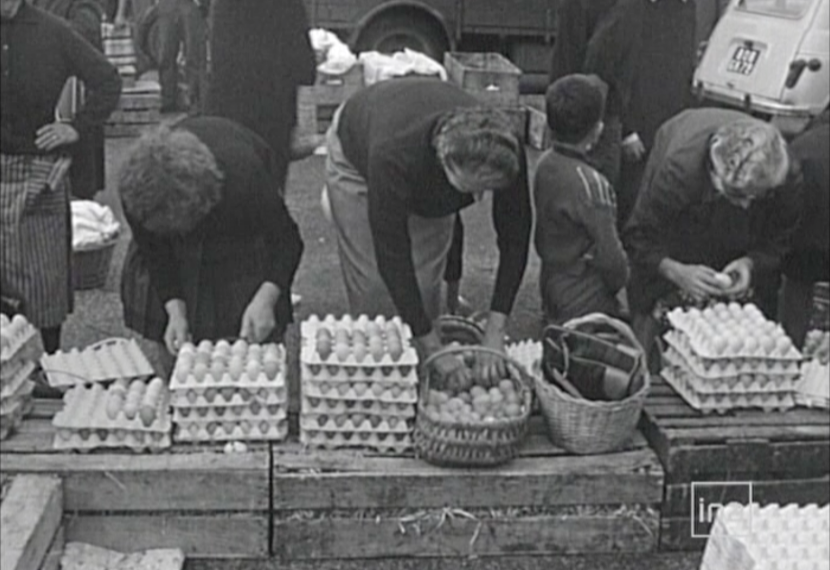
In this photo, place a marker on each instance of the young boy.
(583, 261)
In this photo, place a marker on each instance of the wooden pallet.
(785, 455)
(30, 533)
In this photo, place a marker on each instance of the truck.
(522, 30)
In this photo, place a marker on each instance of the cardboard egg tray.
(12, 417)
(689, 387)
(310, 356)
(310, 326)
(90, 439)
(18, 374)
(731, 378)
(243, 382)
(108, 360)
(372, 407)
(23, 391)
(402, 375)
(390, 392)
(528, 353)
(383, 443)
(228, 397)
(252, 413)
(814, 388)
(769, 538)
(729, 365)
(231, 430)
(355, 423)
(24, 341)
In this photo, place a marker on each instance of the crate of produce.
(489, 76)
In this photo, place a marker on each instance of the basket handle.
(615, 324)
(451, 350)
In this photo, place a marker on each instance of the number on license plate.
(743, 60)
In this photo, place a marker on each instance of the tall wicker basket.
(91, 265)
(585, 426)
(480, 444)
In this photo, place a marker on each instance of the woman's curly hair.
(169, 181)
(478, 137)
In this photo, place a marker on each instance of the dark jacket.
(680, 215)
(40, 52)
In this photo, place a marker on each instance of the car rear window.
(785, 8)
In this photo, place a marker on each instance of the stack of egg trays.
(84, 423)
(814, 388)
(772, 537)
(18, 362)
(246, 408)
(369, 404)
(107, 360)
(724, 382)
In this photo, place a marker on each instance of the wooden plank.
(738, 432)
(135, 116)
(45, 409)
(461, 537)
(800, 491)
(772, 420)
(623, 478)
(31, 436)
(242, 535)
(676, 536)
(29, 519)
(141, 101)
(167, 482)
(53, 557)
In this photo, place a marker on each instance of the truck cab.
(771, 58)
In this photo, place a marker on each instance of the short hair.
(749, 154)
(169, 181)
(478, 137)
(575, 104)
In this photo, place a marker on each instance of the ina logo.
(709, 497)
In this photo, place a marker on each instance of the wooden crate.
(138, 109)
(209, 504)
(489, 76)
(352, 505)
(30, 521)
(316, 103)
(785, 455)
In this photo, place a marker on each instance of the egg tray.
(272, 430)
(227, 397)
(405, 375)
(85, 407)
(253, 413)
(21, 373)
(108, 360)
(372, 407)
(24, 391)
(355, 422)
(244, 381)
(383, 443)
(90, 439)
(769, 538)
(24, 342)
(309, 354)
(13, 417)
(755, 381)
(528, 353)
(729, 365)
(686, 385)
(310, 326)
(817, 345)
(814, 388)
(681, 322)
(394, 393)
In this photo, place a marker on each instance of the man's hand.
(176, 333)
(699, 281)
(258, 321)
(449, 367)
(741, 272)
(491, 368)
(54, 135)
(633, 149)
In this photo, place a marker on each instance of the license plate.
(743, 60)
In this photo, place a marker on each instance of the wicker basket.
(585, 426)
(91, 265)
(485, 444)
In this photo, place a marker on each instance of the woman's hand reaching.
(258, 321)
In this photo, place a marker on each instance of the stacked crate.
(120, 51)
(230, 392)
(138, 109)
(359, 383)
(19, 353)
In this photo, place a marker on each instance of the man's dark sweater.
(387, 131)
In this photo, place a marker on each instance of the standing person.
(215, 250)
(809, 261)
(720, 194)
(661, 88)
(584, 265)
(40, 52)
(260, 54)
(601, 37)
(87, 174)
(404, 157)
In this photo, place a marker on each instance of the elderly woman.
(215, 248)
(720, 197)
(40, 52)
(404, 157)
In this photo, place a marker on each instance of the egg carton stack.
(769, 538)
(20, 348)
(528, 353)
(730, 356)
(111, 359)
(225, 392)
(814, 388)
(359, 383)
(133, 414)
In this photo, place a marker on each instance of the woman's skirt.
(36, 245)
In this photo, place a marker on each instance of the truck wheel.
(394, 32)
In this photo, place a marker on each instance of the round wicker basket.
(481, 444)
(91, 265)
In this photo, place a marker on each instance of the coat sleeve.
(784, 213)
(303, 61)
(282, 236)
